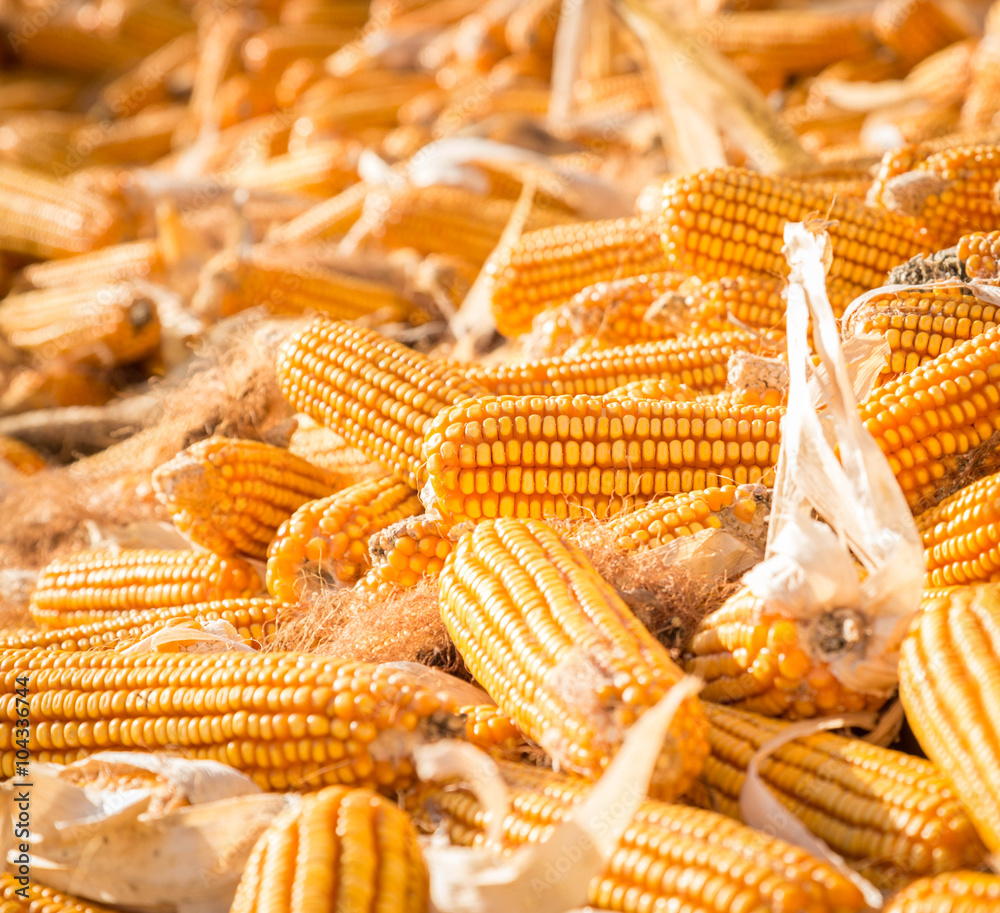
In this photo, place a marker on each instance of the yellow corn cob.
(547, 267)
(890, 815)
(936, 423)
(219, 40)
(920, 324)
(942, 80)
(982, 102)
(979, 254)
(674, 517)
(321, 170)
(405, 553)
(142, 138)
(320, 446)
(20, 456)
(282, 283)
(612, 96)
(377, 394)
(951, 190)
(619, 313)
(253, 619)
(961, 536)
(40, 140)
(448, 220)
(670, 857)
(53, 385)
(915, 29)
(583, 455)
(328, 218)
(559, 651)
(115, 263)
(89, 587)
(801, 41)
(729, 222)
(103, 324)
(288, 720)
(328, 538)
(231, 495)
(148, 83)
(947, 665)
(699, 362)
(955, 892)
(351, 113)
(342, 849)
(35, 898)
(757, 659)
(42, 217)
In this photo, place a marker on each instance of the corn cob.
(981, 106)
(755, 301)
(802, 40)
(54, 385)
(20, 456)
(582, 455)
(377, 394)
(321, 170)
(280, 282)
(729, 222)
(288, 720)
(941, 81)
(961, 536)
(447, 220)
(102, 325)
(757, 659)
(115, 263)
(407, 552)
(342, 849)
(670, 857)
(951, 190)
(920, 324)
(253, 619)
(936, 423)
(699, 362)
(890, 815)
(955, 892)
(674, 517)
(915, 29)
(979, 253)
(35, 898)
(946, 669)
(43, 217)
(219, 40)
(547, 267)
(330, 452)
(326, 219)
(617, 313)
(328, 538)
(148, 83)
(351, 113)
(232, 495)
(560, 652)
(149, 24)
(40, 140)
(89, 587)
(141, 138)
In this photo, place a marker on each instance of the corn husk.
(147, 832)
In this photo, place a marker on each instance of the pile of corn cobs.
(519, 271)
